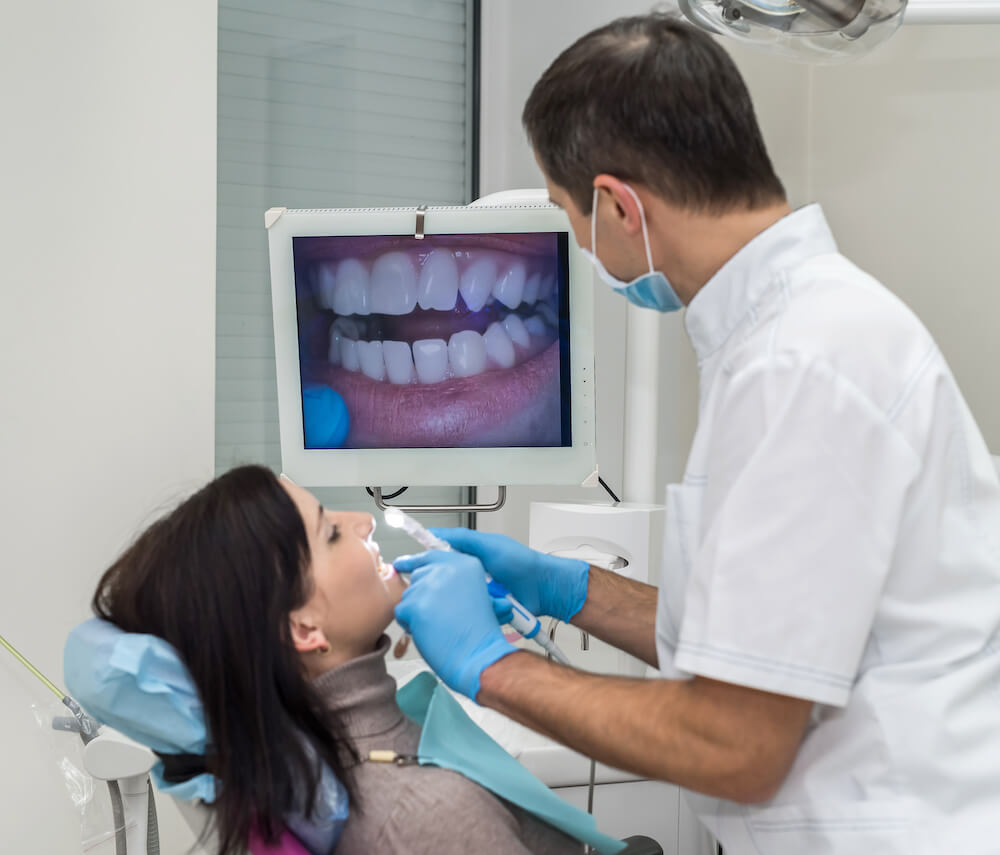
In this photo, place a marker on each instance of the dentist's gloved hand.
(452, 617)
(544, 584)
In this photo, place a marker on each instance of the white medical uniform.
(837, 538)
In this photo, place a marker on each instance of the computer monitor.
(448, 346)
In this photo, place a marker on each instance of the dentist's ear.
(617, 202)
(306, 634)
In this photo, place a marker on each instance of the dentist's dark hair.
(218, 578)
(654, 100)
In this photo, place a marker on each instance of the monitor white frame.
(343, 467)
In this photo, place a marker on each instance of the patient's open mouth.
(442, 342)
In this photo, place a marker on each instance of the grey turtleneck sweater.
(412, 810)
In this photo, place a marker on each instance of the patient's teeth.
(349, 355)
(393, 284)
(398, 361)
(536, 326)
(351, 291)
(515, 329)
(347, 328)
(467, 353)
(510, 286)
(335, 339)
(370, 357)
(531, 288)
(547, 286)
(499, 347)
(549, 314)
(438, 285)
(430, 356)
(326, 284)
(477, 283)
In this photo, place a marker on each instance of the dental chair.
(112, 756)
(153, 725)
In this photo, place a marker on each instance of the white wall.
(903, 151)
(107, 326)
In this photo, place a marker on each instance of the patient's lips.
(520, 406)
(443, 343)
(385, 571)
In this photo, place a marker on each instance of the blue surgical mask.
(651, 290)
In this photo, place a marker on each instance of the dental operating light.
(828, 31)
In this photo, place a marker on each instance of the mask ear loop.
(593, 224)
(642, 217)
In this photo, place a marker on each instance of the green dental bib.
(451, 740)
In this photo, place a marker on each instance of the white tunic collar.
(742, 282)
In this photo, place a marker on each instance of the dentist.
(828, 626)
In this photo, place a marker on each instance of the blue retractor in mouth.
(325, 419)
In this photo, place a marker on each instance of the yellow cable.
(48, 683)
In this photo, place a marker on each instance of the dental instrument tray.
(432, 346)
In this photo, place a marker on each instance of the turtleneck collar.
(363, 693)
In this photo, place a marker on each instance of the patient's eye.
(334, 534)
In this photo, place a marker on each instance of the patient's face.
(350, 602)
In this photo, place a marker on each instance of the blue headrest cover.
(138, 685)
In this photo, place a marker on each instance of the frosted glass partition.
(324, 104)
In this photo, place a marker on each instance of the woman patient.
(277, 609)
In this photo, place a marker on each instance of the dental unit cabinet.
(626, 538)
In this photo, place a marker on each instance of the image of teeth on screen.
(449, 341)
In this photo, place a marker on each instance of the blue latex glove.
(544, 584)
(451, 617)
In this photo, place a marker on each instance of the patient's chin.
(394, 586)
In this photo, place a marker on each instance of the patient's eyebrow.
(319, 522)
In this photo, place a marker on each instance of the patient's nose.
(364, 524)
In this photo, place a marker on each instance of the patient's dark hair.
(218, 578)
(654, 100)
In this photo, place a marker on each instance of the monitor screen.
(449, 341)
(447, 347)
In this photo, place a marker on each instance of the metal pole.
(952, 12)
(642, 387)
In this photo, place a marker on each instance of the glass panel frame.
(311, 95)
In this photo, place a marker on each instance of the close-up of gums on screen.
(449, 341)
